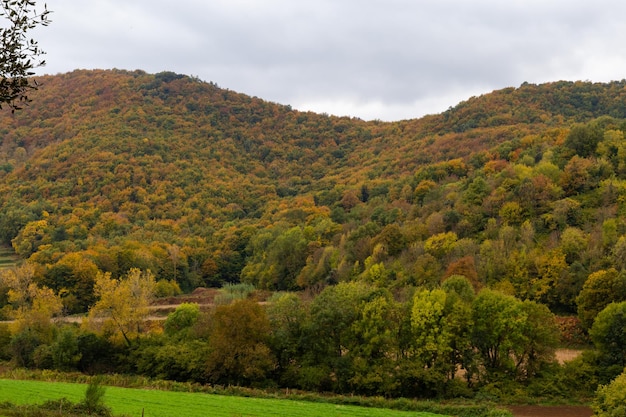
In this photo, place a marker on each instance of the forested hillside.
(522, 191)
(109, 170)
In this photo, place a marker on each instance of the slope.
(107, 170)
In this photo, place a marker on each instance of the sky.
(372, 59)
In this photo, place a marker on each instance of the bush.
(42, 357)
(22, 348)
(65, 351)
(61, 407)
(608, 334)
(232, 292)
(610, 399)
(580, 376)
(93, 402)
(599, 290)
(167, 288)
(5, 341)
(97, 354)
(184, 317)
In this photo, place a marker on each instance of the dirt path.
(550, 411)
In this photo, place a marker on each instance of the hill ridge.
(112, 169)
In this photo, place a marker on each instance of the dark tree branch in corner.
(19, 54)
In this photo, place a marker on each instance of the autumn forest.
(446, 256)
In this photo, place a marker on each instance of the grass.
(155, 403)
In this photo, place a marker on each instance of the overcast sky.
(373, 59)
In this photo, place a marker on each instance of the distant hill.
(108, 170)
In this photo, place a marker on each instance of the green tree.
(94, 397)
(19, 53)
(392, 239)
(599, 290)
(287, 315)
(540, 338)
(573, 244)
(461, 285)
(499, 321)
(476, 191)
(428, 321)
(181, 319)
(278, 256)
(618, 253)
(459, 323)
(330, 334)
(608, 335)
(375, 356)
(584, 139)
(65, 350)
(321, 267)
(180, 360)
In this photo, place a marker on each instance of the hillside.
(522, 188)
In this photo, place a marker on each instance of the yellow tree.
(33, 306)
(550, 267)
(123, 304)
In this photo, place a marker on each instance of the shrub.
(232, 292)
(608, 334)
(166, 288)
(22, 348)
(610, 399)
(94, 398)
(5, 341)
(185, 316)
(65, 351)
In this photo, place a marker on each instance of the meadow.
(155, 403)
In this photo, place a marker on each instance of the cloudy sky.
(373, 59)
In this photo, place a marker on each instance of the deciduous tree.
(497, 331)
(33, 306)
(599, 290)
(608, 334)
(122, 304)
(239, 353)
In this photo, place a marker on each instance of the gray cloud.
(370, 58)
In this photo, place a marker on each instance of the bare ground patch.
(566, 355)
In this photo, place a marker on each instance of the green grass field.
(155, 403)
